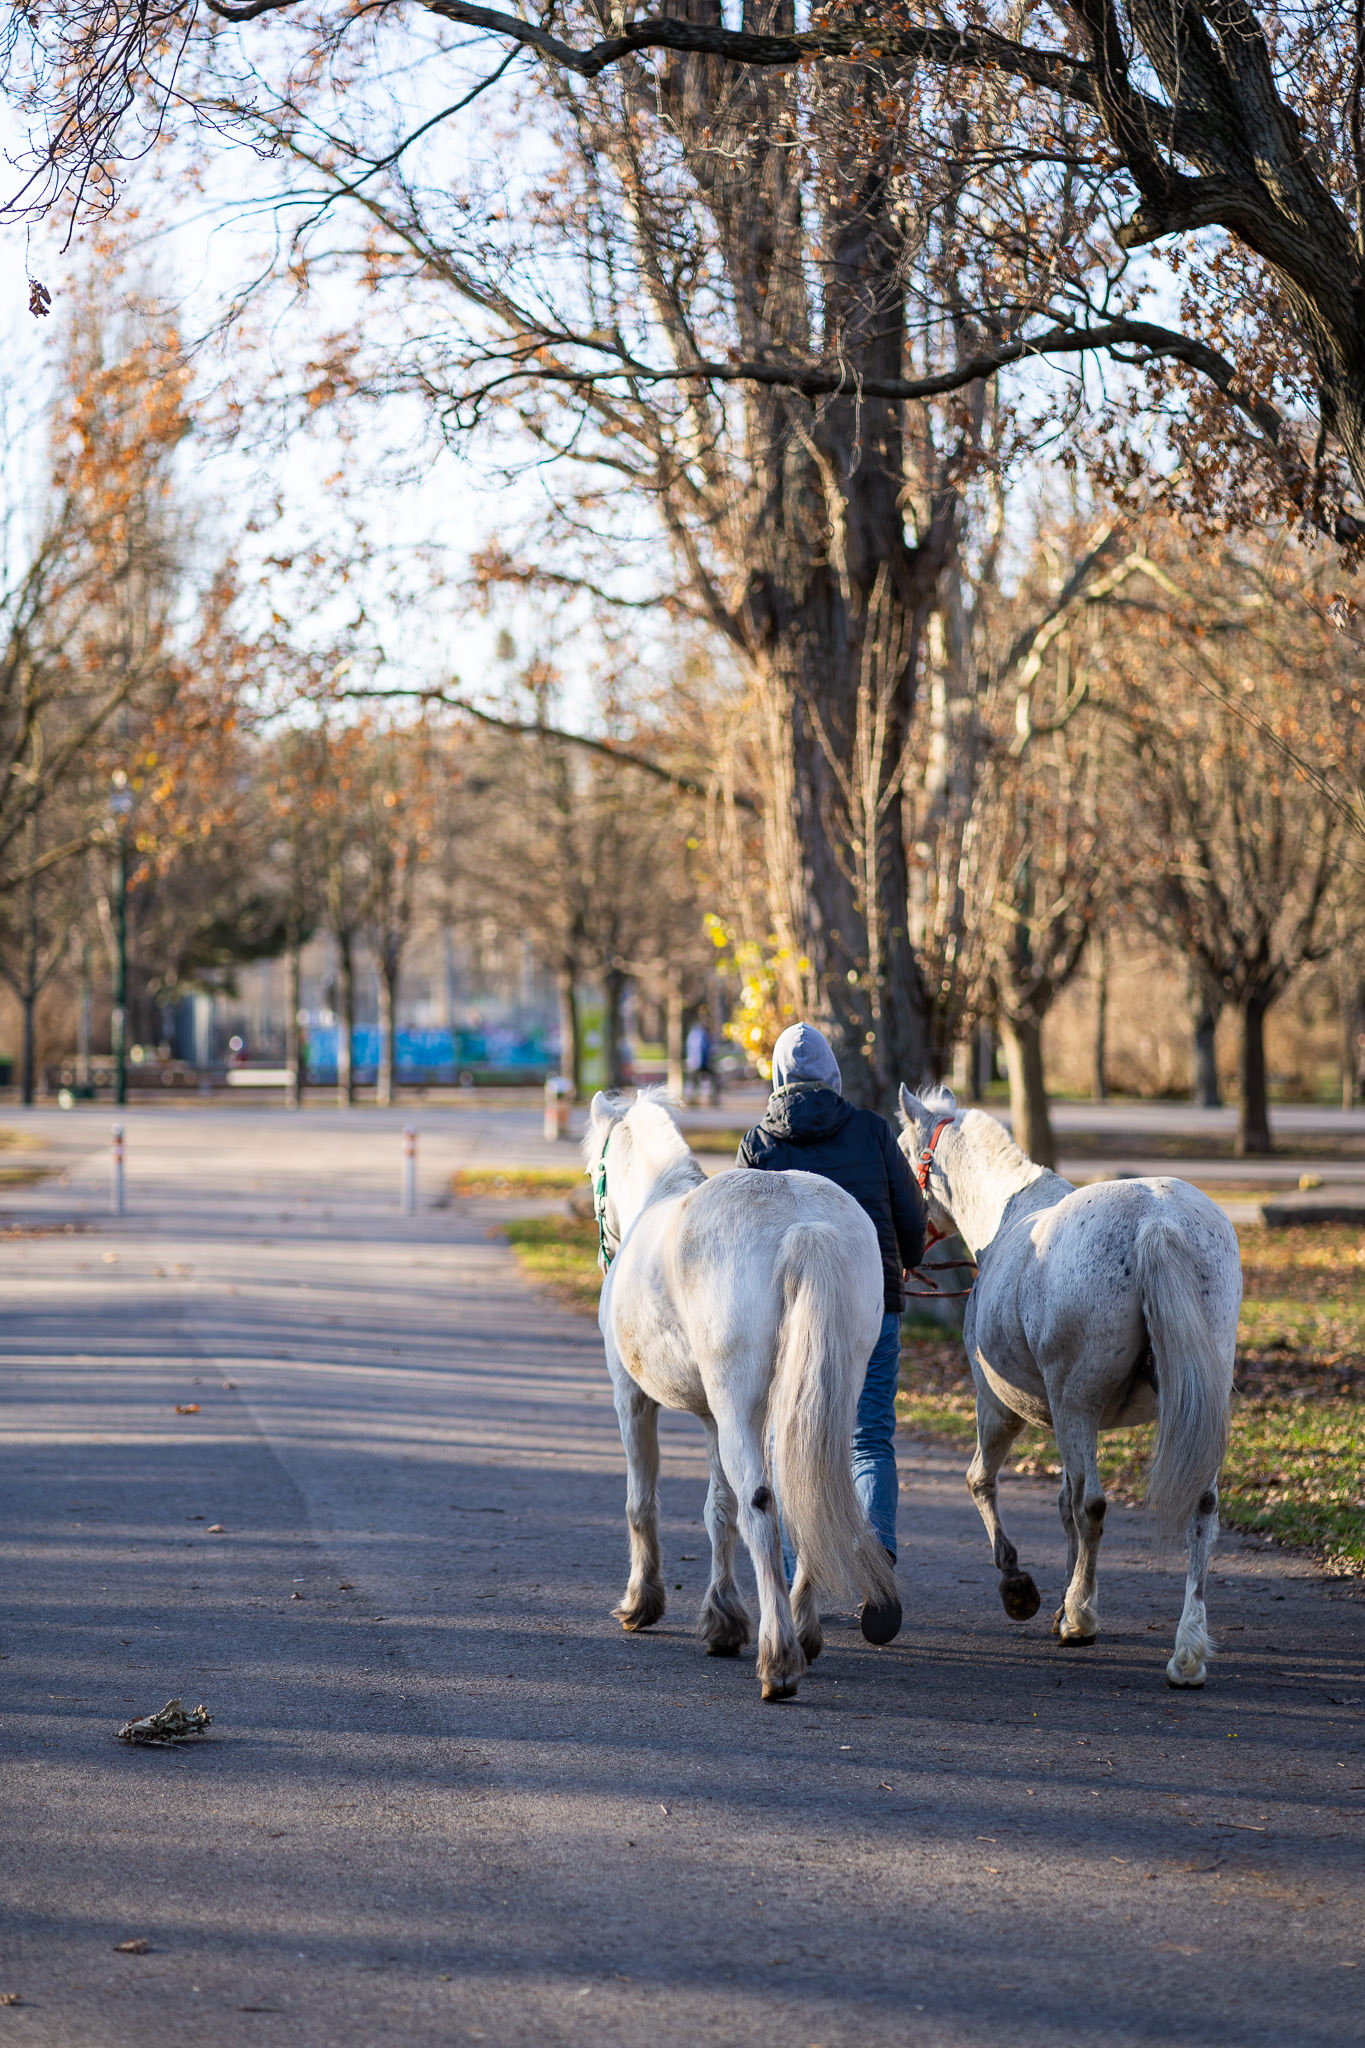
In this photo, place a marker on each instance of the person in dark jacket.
(808, 1127)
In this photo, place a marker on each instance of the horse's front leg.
(726, 1625)
(1189, 1665)
(780, 1657)
(1077, 1619)
(996, 1430)
(643, 1602)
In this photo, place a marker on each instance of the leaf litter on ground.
(169, 1724)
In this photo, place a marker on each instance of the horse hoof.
(1071, 1640)
(811, 1646)
(1185, 1678)
(1020, 1597)
(724, 1647)
(643, 1614)
(880, 1621)
(779, 1688)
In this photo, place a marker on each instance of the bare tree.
(1235, 854)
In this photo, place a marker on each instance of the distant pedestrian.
(808, 1127)
(699, 1065)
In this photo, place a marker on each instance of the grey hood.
(802, 1058)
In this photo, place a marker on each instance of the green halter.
(598, 1170)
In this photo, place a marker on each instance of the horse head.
(924, 1118)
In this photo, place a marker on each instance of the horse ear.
(597, 1110)
(912, 1109)
(947, 1098)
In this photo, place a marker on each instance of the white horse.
(752, 1300)
(1093, 1308)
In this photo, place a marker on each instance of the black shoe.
(881, 1622)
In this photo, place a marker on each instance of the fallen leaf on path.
(187, 1407)
(170, 1723)
(10, 1998)
(138, 1946)
(215, 1529)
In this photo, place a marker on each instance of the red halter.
(926, 1161)
(935, 1235)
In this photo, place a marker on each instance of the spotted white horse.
(1093, 1308)
(753, 1301)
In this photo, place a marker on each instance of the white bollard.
(116, 1180)
(409, 1203)
(558, 1090)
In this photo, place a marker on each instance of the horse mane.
(990, 1137)
(649, 1122)
(652, 1124)
(939, 1098)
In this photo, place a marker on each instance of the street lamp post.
(120, 803)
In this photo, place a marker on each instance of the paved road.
(446, 1799)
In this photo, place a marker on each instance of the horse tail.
(817, 1379)
(1193, 1373)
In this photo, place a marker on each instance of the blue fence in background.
(429, 1056)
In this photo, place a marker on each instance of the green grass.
(1295, 1467)
(559, 1253)
(518, 1181)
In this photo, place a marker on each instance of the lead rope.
(931, 1291)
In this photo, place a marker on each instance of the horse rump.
(817, 1378)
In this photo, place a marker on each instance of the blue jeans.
(874, 1442)
(874, 1434)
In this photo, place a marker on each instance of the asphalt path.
(446, 1799)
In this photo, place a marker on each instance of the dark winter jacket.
(813, 1130)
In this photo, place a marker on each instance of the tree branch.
(608, 749)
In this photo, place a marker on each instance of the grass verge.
(517, 1181)
(559, 1253)
(1295, 1467)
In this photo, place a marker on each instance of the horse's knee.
(1095, 1510)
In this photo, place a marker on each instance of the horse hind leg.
(725, 1625)
(1083, 1512)
(644, 1600)
(996, 1430)
(780, 1657)
(806, 1615)
(1188, 1666)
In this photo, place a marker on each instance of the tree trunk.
(1253, 1121)
(862, 984)
(613, 996)
(1349, 1015)
(1099, 1086)
(1207, 1093)
(28, 1072)
(29, 995)
(570, 1038)
(1029, 1117)
(676, 1042)
(294, 1053)
(345, 1019)
(980, 1063)
(388, 1010)
(83, 1020)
